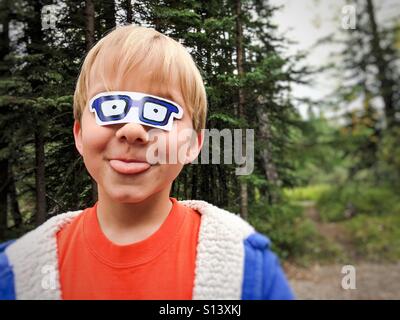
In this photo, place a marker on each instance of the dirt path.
(373, 281)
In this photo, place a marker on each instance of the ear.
(78, 136)
(195, 147)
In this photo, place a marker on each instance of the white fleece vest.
(219, 260)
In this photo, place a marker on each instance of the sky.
(306, 21)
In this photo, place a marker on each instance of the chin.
(129, 195)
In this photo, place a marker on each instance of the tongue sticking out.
(129, 167)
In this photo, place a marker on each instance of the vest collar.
(219, 261)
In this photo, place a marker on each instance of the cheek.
(95, 138)
(169, 172)
(178, 139)
(168, 148)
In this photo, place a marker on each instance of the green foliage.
(357, 200)
(293, 237)
(226, 119)
(318, 152)
(307, 193)
(376, 238)
(389, 157)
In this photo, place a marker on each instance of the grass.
(306, 193)
(372, 230)
(294, 237)
(375, 238)
(359, 200)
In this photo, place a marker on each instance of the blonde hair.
(128, 47)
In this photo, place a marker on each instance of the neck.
(125, 223)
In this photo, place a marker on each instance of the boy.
(136, 242)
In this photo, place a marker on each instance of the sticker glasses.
(114, 107)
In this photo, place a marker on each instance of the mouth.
(129, 167)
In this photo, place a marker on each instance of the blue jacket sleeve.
(7, 291)
(275, 284)
(263, 278)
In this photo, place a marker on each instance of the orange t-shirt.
(158, 267)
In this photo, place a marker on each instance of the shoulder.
(69, 227)
(263, 276)
(220, 252)
(40, 235)
(25, 257)
(215, 218)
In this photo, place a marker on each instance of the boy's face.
(116, 156)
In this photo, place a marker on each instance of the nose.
(133, 133)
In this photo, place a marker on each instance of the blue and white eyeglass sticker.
(115, 107)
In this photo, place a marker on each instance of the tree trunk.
(127, 6)
(34, 30)
(4, 164)
(109, 14)
(4, 37)
(386, 83)
(15, 211)
(223, 186)
(205, 187)
(89, 40)
(269, 167)
(240, 67)
(40, 177)
(194, 181)
(4, 180)
(185, 185)
(89, 24)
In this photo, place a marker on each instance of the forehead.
(140, 79)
